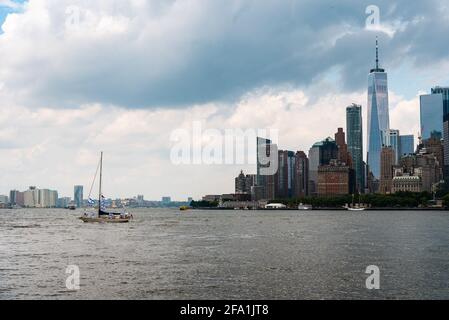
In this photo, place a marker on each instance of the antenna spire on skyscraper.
(377, 68)
(377, 53)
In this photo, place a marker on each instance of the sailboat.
(356, 207)
(102, 215)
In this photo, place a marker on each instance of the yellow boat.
(184, 208)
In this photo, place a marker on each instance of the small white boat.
(276, 206)
(356, 209)
(355, 206)
(304, 207)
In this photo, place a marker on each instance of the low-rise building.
(406, 183)
(212, 197)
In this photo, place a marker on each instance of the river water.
(166, 254)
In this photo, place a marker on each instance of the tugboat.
(102, 215)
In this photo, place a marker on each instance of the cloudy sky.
(79, 76)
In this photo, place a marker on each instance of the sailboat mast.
(99, 191)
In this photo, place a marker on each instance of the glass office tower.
(354, 129)
(407, 144)
(390, 138)
(320, 154)
(431, 114)
(78, 196)
(444, 91)
(378, 114)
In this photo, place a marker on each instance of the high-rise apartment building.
(78, 196)
(13, 197)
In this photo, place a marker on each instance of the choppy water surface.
(164, 254)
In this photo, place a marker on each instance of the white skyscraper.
(378, 114)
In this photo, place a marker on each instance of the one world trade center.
(378, 115)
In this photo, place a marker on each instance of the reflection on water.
(163, 254)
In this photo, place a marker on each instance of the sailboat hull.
(104, 220)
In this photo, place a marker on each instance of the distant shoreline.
(325, 209)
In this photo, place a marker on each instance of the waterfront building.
(423, 165)
(140, 200)
(240, 182)
(378, 114)
(387, 161)
(38, 198)
(372, 184)
(334, 179)
(354, 129)
(20, 201)
(243, 183)
(78, 196)
(257, 193)
(46, 198)
(320, 154)
(431, 114)
(446, 152)
(434, 145)
(314, 163)
(301, 175)
(391, 138)
(428, 169)
(4, 199)
(407, 145)
(284, 178)
(13, 197)
(267, 181)
(31, 197)
(166, 200)
(63, 202)
(343, 154)
(211, 197)
(406, 183)
(444, 91)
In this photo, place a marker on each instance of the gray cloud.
(174, 54)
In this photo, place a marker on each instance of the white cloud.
(60, 147)
(10, 4)
(66, 90)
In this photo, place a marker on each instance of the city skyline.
(52, 138)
